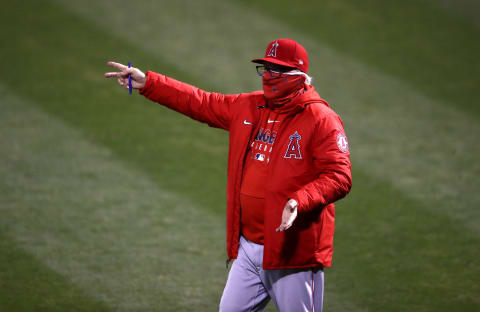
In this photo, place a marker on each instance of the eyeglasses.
(275, 72)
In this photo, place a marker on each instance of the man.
(288, 162)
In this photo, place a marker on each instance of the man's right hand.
(138, 77)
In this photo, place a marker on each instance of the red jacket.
(310, 163)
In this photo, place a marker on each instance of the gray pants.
(249, 287)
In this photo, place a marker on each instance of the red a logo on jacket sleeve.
(293, 149)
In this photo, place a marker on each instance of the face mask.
(275, 88)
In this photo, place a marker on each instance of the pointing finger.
(117, 65)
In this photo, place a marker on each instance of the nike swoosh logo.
(270, 121)
(245, 122)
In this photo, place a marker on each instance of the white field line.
(427, 149)
(102, 224)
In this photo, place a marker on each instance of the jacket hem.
(304, 266)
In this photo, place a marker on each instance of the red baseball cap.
(286, 52)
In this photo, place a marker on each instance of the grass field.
(109, 202)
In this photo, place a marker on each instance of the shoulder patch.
(342, 142)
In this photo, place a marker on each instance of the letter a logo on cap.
(273, 50)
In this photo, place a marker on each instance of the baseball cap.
(285, 52)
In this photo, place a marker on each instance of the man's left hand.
(288, 216)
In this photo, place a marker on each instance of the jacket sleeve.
(215, 109)
(331, 159)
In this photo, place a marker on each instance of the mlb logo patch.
(260, 157)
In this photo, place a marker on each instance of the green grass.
(72, 86)
(28, 285)
(119, 202)
(393, 253)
